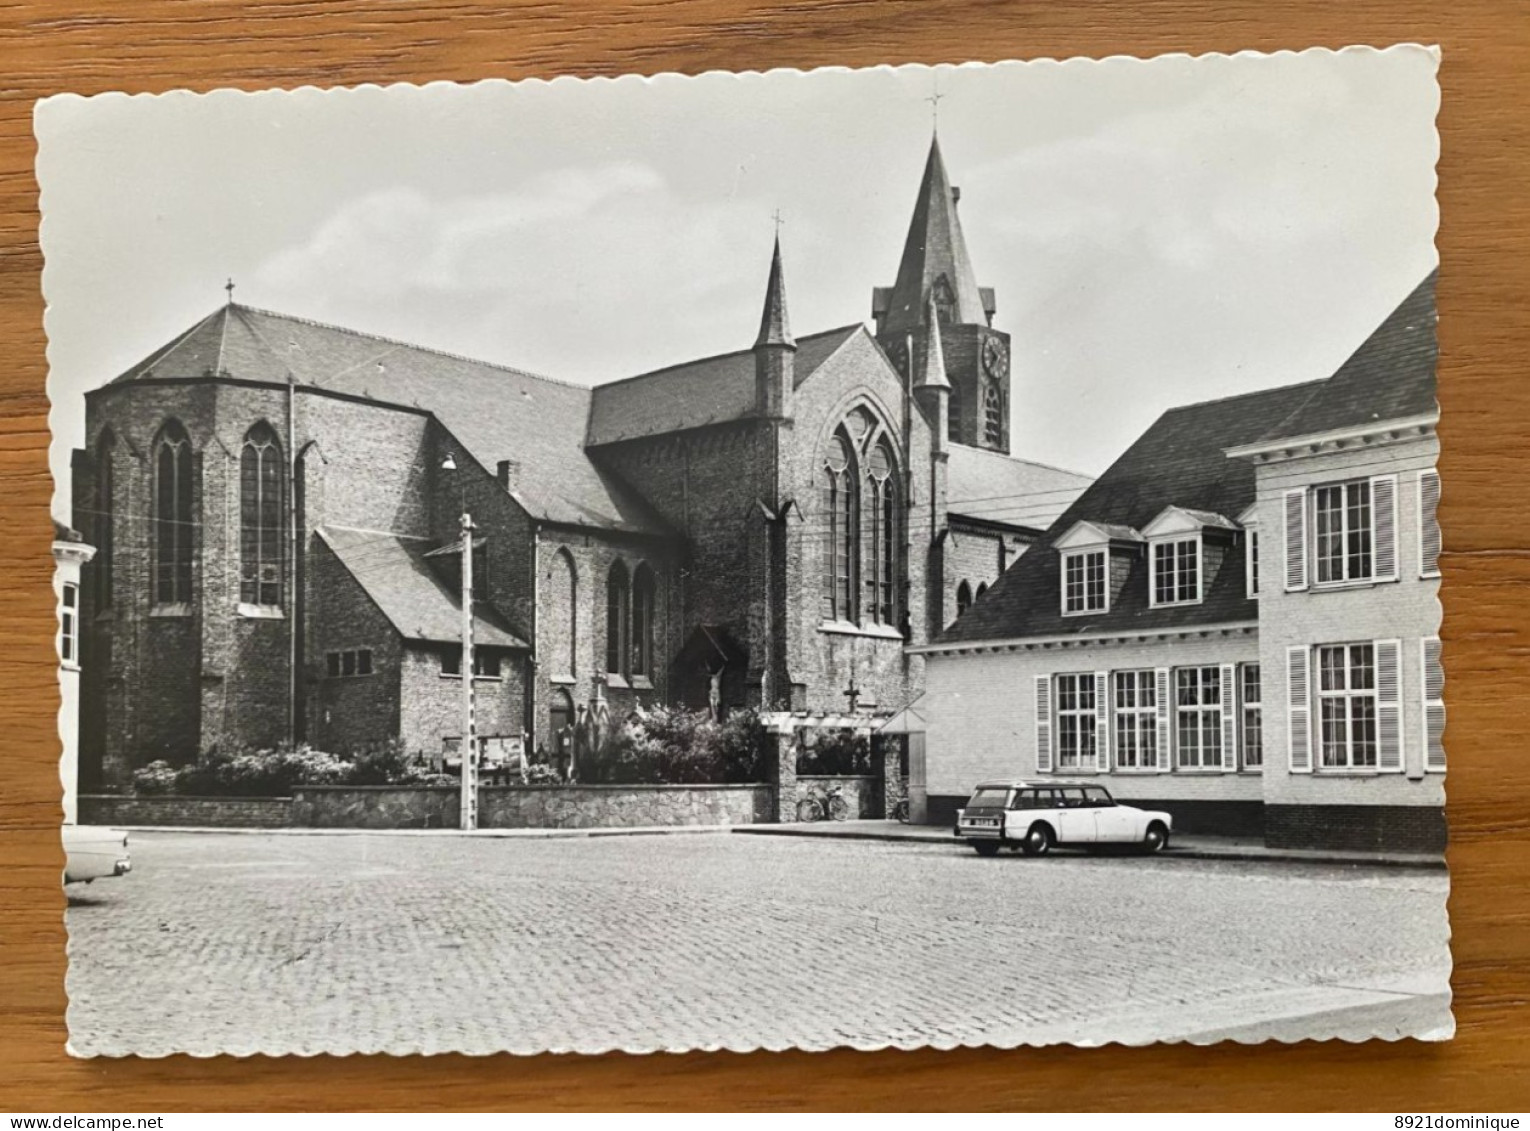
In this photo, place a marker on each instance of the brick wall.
(349, 713)
(430, 707)
(187, 812)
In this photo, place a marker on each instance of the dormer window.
(1084, 582)
(1176, 569)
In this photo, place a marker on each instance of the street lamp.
(469, 745)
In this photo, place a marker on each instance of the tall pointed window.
(260, 518)
(954, 415)
(643, 590)
(618, 593)
(993, 417)
(104, 527)
(172, 519)
(840, 514)
(882, 531)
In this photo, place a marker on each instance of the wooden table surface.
(150, 45)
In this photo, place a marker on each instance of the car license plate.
(984, 822)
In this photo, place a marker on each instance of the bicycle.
(900, 810)
(830, 805)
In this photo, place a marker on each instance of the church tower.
(937, 271)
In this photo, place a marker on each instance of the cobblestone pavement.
(272, 943)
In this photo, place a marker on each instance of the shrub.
(155, 778)
(259, 773)
(540, 773)
(387, 764)
(673, 746)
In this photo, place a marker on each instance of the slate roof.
(1390, 377)
(1179, 460)
(497, 412)
(392, 570)
(934, 247)
(694, 394)
(994, 487)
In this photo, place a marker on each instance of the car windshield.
(1095, 796)
(989, 797)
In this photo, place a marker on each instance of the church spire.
(774, 328)
(935, 262)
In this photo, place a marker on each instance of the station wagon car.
(93, 853)
(1034, 817)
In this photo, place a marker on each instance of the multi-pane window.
(1344, 532)
(1253, 716)
(1075, 721)
(618, 610)
(1084, 582)
(1347, 705)
(642, 621)
(260, 518)
(1198, 717)
(105, 518)
(1136, 714)
(69, 626)
(839, 504)
(993, 416)
(487, 664)
(1177, 571)
(881, 488)
(172, 517)
(358, 661)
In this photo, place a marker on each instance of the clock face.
(995, 358)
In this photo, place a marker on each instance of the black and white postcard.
(920, 556)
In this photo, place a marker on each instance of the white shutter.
(1434, 704)
(1044, 724)
(1299, 710)
(1161, 688)
(1429, 524)
(1251, 562)
(1389, 739)
(1296, 539)
(1384, 527)
(1229, 718)
(1102, 722)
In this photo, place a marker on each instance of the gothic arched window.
(841, 529)
(172, 517)
(643, 590)
(882, 531)
(981, 589)
(618, 593)
(260, 518)
(993, 417)
(963, 598)
(563, 595)
(104, 527)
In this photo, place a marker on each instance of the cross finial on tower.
(776, 216)
(934, 101)
(229, 287)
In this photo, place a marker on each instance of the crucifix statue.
(852, 696)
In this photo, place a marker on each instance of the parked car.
(1035, 816)
(93, 852)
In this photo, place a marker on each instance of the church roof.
(391, 568)
(694, 394)
(495, 411)
(994, 487)
(934, 247)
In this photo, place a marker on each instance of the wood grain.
(151, 45)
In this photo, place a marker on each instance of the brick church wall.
(431, 703)
(350, 713)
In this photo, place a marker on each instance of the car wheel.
(986, 848)
(1037, 842)
(1156, 840)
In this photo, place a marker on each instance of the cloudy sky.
(1158, 232)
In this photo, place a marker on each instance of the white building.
(1288, 688)
(70, 552)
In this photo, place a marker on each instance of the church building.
(276, 507)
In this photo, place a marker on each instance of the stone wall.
(187, 812)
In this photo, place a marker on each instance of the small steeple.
(775, 330)
(932, 374)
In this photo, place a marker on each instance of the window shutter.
(1389, 739)
(1298, 710)
(1229, 718)
(1044, 724)
(1161, 687)
(1434, 705)
(1102, 722)
(1296, 540)
(1428, 524)
(1384, 526)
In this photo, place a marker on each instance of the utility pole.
(469, 721)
